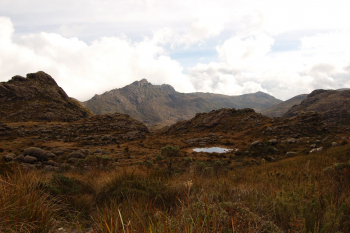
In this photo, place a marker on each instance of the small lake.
(213, 150)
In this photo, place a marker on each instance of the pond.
(214, 150)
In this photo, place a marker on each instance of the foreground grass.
(301, 194)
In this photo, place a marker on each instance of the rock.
(84, 152)
(292, 140)
(335, 144)
(52, 163)
(30, 159)
(76, 155)
(19, 158)
(316, 150)
(38, 153)
(50, 155)
(9, 157)
(313, 146)
(60, 151)
(72, 160)
(256, 144)
(291, 153)
(273, 141)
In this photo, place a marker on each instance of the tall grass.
(308, 193)
(23, 206)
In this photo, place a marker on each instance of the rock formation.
(37, 98)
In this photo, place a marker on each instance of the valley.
(112, 173)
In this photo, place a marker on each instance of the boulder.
(9, 157)
(273, 141)
(84, 152)
(30, 159)
(38, 153)
(316, 150)
(19, 158)
(52, 163)
(291, 153)
(77, 155)
(256, 144)
(335, 144)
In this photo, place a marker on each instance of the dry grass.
(202, 195)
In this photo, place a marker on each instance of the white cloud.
(83, 70)
(96, 45)
(248, 64)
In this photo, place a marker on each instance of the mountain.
(38, 98)
(334, 106)
(279, 109)
(162, 104)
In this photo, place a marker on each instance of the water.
(213, 150)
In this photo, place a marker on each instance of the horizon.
(223, 47)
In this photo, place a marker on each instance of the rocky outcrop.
(220, 120)
(96, 130)
(37, 98)
(334, 106)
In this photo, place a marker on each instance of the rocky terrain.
(38, 98)
(91, 167)
(279, 109)
(334, 106)
(161, 104)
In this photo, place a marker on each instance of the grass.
(307, 193)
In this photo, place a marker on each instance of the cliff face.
(38, 98)
(154, 104)
(334, 106)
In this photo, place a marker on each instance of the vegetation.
(300, 194)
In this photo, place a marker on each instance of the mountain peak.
(141, 83)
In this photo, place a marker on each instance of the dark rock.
(30, 159)
(19, 158)
(76, 155)
(256, 144)
(9, 157)
(38, 153)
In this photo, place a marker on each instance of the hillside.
(162, 104)
(279, 109)
(333, 105)
(37, 98)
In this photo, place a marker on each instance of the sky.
(232, 47)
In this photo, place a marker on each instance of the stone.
(256, 144)
(52, 163)
(19, 158)
(9, 157)
(316, 150)
(76, 155)
(273, 141)
(30, 159)
(291, 153)
(36, 152)
(335, 144)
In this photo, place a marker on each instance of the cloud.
(83, 70)
(248, 65)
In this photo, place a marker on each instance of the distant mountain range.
(162, 104)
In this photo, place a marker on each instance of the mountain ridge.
(162, 104)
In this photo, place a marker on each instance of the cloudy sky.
(233, 47)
